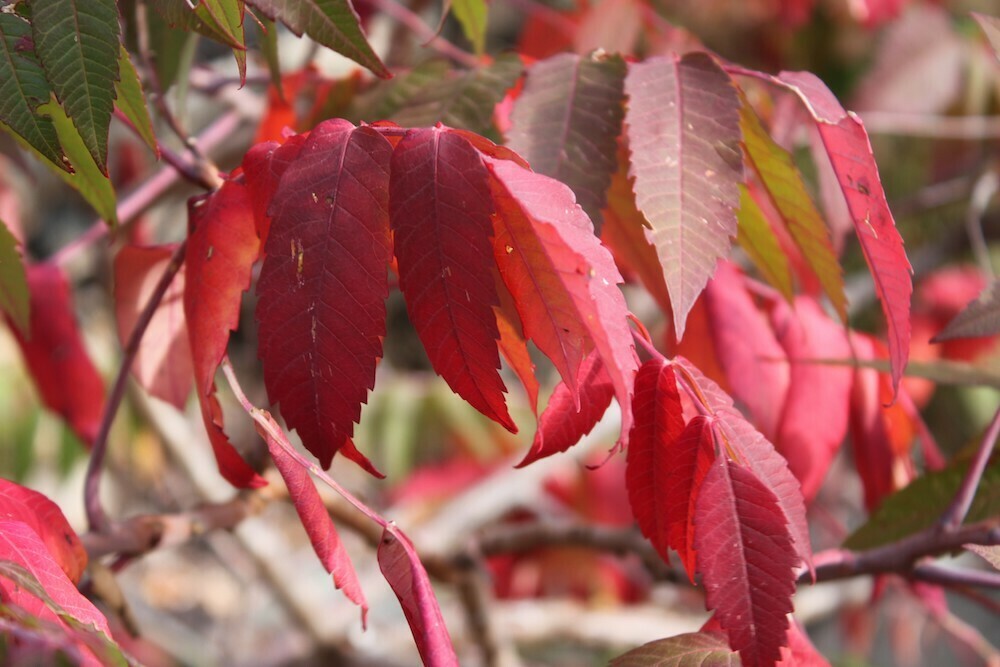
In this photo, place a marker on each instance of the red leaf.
(163, 364)
(746, 558)
(808, 437)
(564, 282)
(43, 516)
(20, 545)
(659, 422)
(512, 344)
(63, 372)
(691, 458)
(263, 167)
(324, 282)
(753, 450)
(683, 131)
(316, 520)
(401, 567)
(800, 651)
(222, 247)
(440, 212)
(850, 153)
(562, 424)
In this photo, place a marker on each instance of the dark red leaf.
(691, 457)
(440, 209)
(562, 425)
(850, 154)
(316, 520)
(659, 422)
(263, 167)
(163, 363)
(43, 516)
(63, 372)
(323, 285)
(222, 247)
(401, 567)
(683, 130)
(564, 282)
(746, 559)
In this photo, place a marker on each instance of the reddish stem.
(959, 508)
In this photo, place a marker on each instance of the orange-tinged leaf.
(512, 344)
(163, 363)
(323, 284)
(682, 125)
(440, 208)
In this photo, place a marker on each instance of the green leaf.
(131, 102)
(332, 23)
(694, 649)
(22, 88)
(919, 505)
(385, 98)
(471, 15)
(784, 185)
(221, 20)
(13, 283)
(87, 179)
(77, 42)
(464, 100)
(755, 236)
(269, 47)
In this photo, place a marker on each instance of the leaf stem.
(959, 508)
(97, 518)
(412, 21)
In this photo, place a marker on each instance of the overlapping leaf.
(979, 318)
(746, 559)
(691, 457)
(332, 23)
(659, 423)
(472, 15)
(440, 208)
(14, 297)
(78, 45)
(263, 167)
(18, 503)
(783, 184)
(63, 372)
(401, 567)
(163, 363)
(567, 120)
(22, 88)
(850, 153)
(758, 240)
(131, 102)
(323, 285)
(564, 282)
(693, 649)
(222, 247)
(682, 125)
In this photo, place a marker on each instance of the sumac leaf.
(263, 166)
(693, 649)
(18, 503)
(15, 299)
(979, 318)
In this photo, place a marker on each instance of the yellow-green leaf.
(13, 283)
(755, 236)
(471, 15)
(131, 101)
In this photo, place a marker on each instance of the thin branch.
(959, 508)
(96, 516)
(935, 574)
(412, 21)
(982, 192)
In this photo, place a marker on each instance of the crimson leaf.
(43, 516)
(746, 559)
(439, 205)
(322, 288)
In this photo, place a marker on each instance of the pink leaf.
(54, 353)
(850, 153)
(222, 247)
(163, 363)
(440, 209)
(746, 559)
(323, 285)
(401, 567)
(683, 130)
(564, 282)
(43, 516)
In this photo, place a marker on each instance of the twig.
(96, 516)
(959, 508)
(405, 16)
(935, 574)
(982, 192)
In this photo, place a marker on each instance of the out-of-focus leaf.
(465, 100)
(567, 120)
(386, 98)
(332, 23)
(613, 26)
(131, 102)
(471, 15)
(980, 318)
(22, 88)
(14, 297)
(783, 184)
(758, 240)
(167, 48)
(990, 554)
(269, 47)
(88, 179)
(991, 28)
(221, 20)
(682, 125)
(694, 649)
(77, 43)
(919, 505)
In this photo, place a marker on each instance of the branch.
(959, 508)
(405, 16)
(97, 518)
